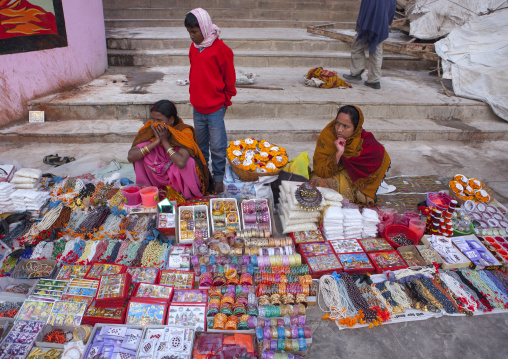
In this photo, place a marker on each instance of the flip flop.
(63, 161)
(51, 159)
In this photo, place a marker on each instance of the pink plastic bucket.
(150, 196)
(131, 195)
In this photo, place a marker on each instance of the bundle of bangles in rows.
(91, 269)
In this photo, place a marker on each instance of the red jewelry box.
(94, 315)
(153, 293)
(142, 312)
(178, 279)
(307, 237)
(357, 262)
(98, 269)
(323, 264)
(190, 296)
(113, 290)
(387, 261)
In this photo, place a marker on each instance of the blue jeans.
(212, 138)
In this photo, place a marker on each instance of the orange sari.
(361, 169)
(181, 135)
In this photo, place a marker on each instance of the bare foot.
(219, 187)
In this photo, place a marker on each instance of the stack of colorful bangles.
(293, 332)
(270, 354)
(288, 345)
(279, 311)
(282, 288)
(229, 302)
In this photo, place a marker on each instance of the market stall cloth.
(474, 58)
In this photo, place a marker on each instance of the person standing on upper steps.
(212, 85)
(372, 28)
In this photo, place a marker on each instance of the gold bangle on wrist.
(171, 151)
(142, 149)
(146, 149)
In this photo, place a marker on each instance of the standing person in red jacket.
(212, 84)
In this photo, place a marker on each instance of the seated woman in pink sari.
(165, 152)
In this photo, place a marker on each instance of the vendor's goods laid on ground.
(93, 269)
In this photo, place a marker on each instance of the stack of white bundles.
(27, 178)
(29, 200)
(333, 223)
(6, 190)
(370, 222)
(293, 217)
(331, 197)
(352, 223)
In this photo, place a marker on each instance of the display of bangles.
(256, 216)
(293, 332)
(308, 290)
(34, 269)
(193, 222)
(225, 214)
(287, 345)
(276, 311)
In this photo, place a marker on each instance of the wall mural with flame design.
(31, 25)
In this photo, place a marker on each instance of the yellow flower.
(262, 156)
(250, 143)
(280, 160)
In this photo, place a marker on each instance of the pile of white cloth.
(6, 190)
(333, 223)
(293, 217)
(353, 223)
(27, 178)
(370, 221)
(29, 200)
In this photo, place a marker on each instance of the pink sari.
(157, 169)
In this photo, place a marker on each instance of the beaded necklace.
(101, 247)
(438, 295)
(446, 291)
(356, 297)
(109, 250)
(488, 281)
(365, 290)
(77, 216)
(130, 253)
(466, 289)
(93, 250)
(63, 219)
(86, 252)
(136, 262)
(114, 253)
(338, 306)
(43, 251)
(58, 248)
(112, 224)
(121, 251)
(386, 293)
(151, 254)
(46, 222)
(398, 294)
(481, 297)
(116, 200)
(164, 255)
(418, 300)
(464, 300)
(503, 279)
(475, 279)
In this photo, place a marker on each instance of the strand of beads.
(86, 253)
(496, 282)
(436, 280)
(489, 294)
(121, 251)
(109, 250)
(500, 294)
(503, 278)
(136, 262)
(481, 297)
(151, 254)
(130, 253)
(466, 289)
(356, 297)
(465, 300)
(438, 295)
(77, 216)
(114, 253)
(99, 251)
(58, 248)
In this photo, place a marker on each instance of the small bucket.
(131, 196)
(150, 196)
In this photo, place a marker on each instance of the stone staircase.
(148, 51)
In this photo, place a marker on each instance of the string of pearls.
(412, 272)
(338, 305)
(398, 294)
(47, 221)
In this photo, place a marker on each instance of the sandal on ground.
(51, 159)
(63, 161)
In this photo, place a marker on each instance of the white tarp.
(432, 19)
(475, 57)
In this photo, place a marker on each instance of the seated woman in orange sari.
(348, 159)
(165, 152)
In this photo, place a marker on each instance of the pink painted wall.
(25, 76)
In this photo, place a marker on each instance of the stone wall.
(25, 76)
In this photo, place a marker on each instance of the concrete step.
(245, 23)
(276, 130)
(127, 93)
(177, 57)
(231, 13)
(274, 39)
(329, 5)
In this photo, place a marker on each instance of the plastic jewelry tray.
(148, 327)
(16, 272)
(270, 213)
(472, 238)
(47, 328)
(99, 326)
(464, 263)
(8, 281)
(192, 208)
(232, 200)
